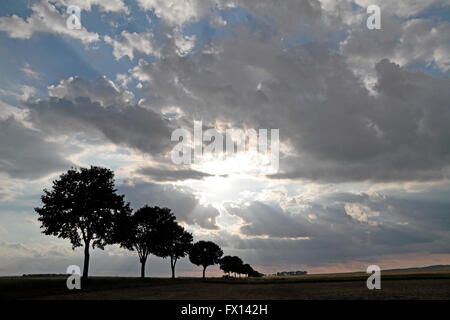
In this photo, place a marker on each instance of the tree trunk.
(204, 269)
(86, 260)
(172, 264)
(143, 260)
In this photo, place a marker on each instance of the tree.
(205, 253)
(83, 206)
(230, 264)
(225, 264)
(236, 265)
(175, 243)
(247, 269)
(255, 274)
(146, 230)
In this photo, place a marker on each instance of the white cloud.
(102, 90)
(131, 42)
(413, 42)
(184, 43)
(361, 213)
(175, 12)
(25, 92)
(45, 18)
(29, 72)
(104, 5)
(401, 8)
(424, 41)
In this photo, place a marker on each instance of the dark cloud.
(339, 131)
(25, 154)
(124, 124)
(185, 205)
(271, 220)
(345, 226)
(171, 174)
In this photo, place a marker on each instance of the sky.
(363, 118)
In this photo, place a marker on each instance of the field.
(429, 284)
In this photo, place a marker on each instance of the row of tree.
(84, 207)
(229, 264)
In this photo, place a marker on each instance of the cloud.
(185, 44)
(425, 41)
(131, 42)
(411, 43)
(185, 205)
(175, 12)
(29, 72)
(392, 224)
(334, 128)
(101, 90)
(286, 16)
(270, 220)
(25, 154)
(104, 6)
(23, 94)
(402, 8)
(171, 174)
(16, 246)
(109, 262)
(99, 107)
(45, 18)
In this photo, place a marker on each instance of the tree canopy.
(84, 207)
(234, 264)
(145, 231)
(205, 253)
(175, 243)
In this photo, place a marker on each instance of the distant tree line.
(229, 265)
(84, 207)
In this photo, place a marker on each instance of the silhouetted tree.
(205, 253)
(247, 269)
(175, 243)
(225, 264)
(83, 206)
(255, 274)
(145, 231)
(236, 265)
(231, 264)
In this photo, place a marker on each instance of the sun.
(229, 179)
(242, 163)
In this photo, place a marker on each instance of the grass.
(338, 277)
(395, 285)
(32, 287)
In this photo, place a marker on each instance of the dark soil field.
(351, 286)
